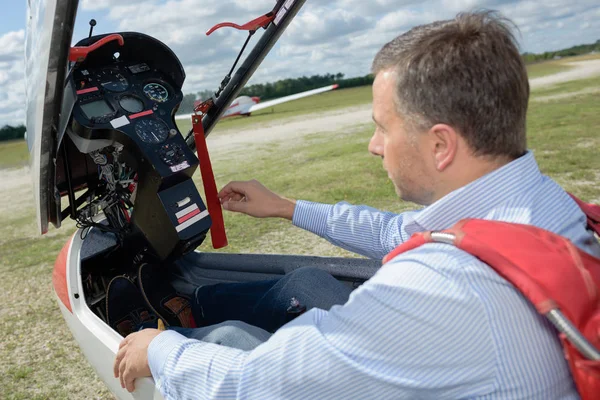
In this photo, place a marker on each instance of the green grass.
(40, 359)
(564, 135)
(13, 153)
(554, 66)
(545, 68)
(567, 87)
(327, 101)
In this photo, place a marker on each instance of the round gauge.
(112, 80)
(152, 131)
(131, 104)
(156, 92)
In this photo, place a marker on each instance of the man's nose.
(375, 146)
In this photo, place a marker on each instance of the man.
(449, 103)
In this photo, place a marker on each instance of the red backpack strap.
(592, 212)
(415, 240)
(561, 281)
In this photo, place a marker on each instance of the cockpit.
(124, 96)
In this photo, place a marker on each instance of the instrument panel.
(134, 99)
(115, 91)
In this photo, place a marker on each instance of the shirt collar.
(476, 199)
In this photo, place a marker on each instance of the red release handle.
(217, 230)
(79, 53)
(253, 25)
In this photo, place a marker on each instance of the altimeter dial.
(152, 131)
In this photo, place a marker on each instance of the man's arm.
(360, 229)
(409, 332)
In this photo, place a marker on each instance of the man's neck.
(463, 173)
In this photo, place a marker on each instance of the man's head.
(449, 101)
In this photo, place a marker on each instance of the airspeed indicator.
(156, 92)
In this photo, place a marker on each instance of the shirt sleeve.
(414, 334)
(360, 229)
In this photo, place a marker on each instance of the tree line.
(8, 132)
(571, 51)
(283, 87)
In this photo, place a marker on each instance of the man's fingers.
(122, 373)
(236, 206)
(233, 187)
(236, 197)
(232, 197)
(123, 342)
(118, 359)
(129, 381)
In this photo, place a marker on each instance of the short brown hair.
(467, 73)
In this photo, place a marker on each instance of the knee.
(238, 334)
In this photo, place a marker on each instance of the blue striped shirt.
(432, 323)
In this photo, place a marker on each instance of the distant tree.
(8, 132)
(529, 58)
(205, 94)
(187, 104)
(290, 86)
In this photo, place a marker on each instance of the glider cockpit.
(123, 97)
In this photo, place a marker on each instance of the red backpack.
(568, 294)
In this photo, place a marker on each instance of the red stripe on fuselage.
(59, 276)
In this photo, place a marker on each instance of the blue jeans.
(237, 334)
(243, 314)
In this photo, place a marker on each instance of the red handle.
(217, 230)
(253, 25)
(79, 53)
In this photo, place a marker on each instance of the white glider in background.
(245, 105)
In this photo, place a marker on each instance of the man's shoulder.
(446, 260)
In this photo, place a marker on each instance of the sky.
(326, 36)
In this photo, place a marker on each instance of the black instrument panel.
(137, 100)
(110, 92)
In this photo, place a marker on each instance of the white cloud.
(317, 25)
(402, 20)
(12, 79)
(11, 45)
(93, 5)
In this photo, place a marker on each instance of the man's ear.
(444, 144)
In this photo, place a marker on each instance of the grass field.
(13, 154)
(546, 68)
(554, 66)
(40, 359)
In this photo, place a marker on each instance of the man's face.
(404, 153)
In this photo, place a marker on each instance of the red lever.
(260, 22)
(79, 53)
(217, 230)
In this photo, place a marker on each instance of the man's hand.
(132, 358)
(253, 199)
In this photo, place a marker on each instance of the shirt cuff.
(159, 350)
(312, 216)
